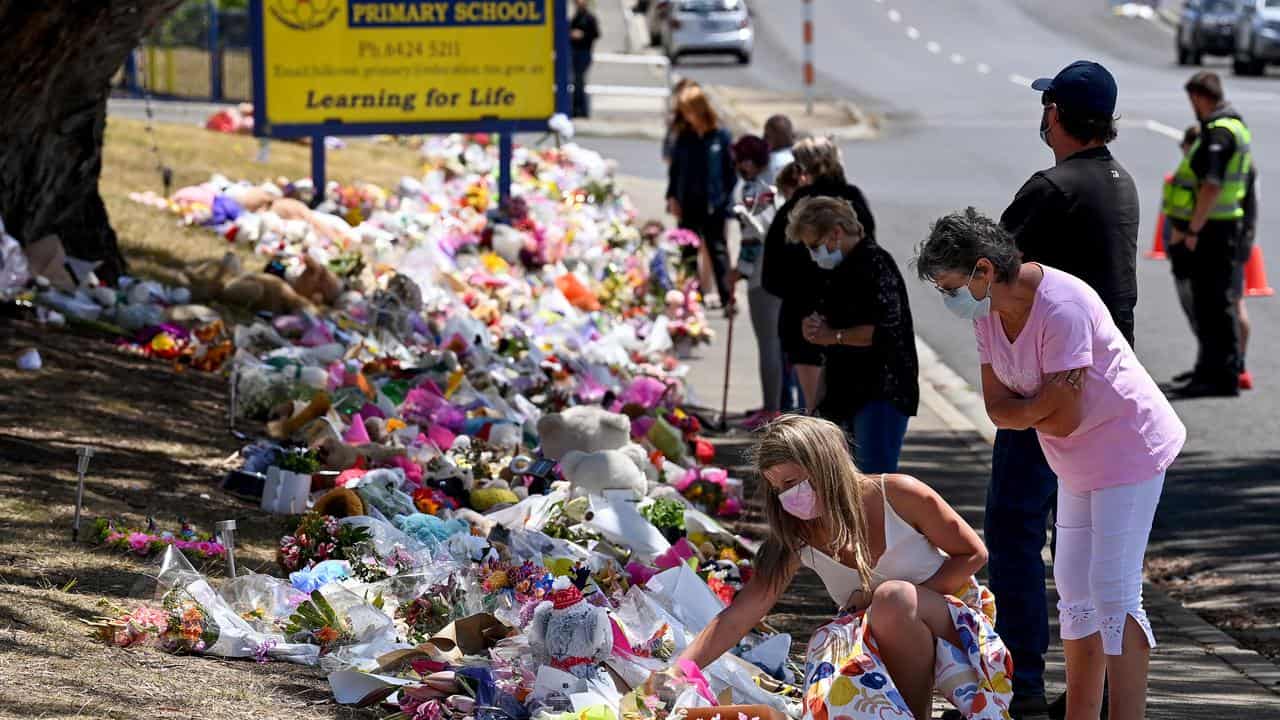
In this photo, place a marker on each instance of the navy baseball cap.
(1084, 86)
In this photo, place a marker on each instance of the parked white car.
(707, 27)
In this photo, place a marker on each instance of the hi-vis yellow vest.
(1180, 195)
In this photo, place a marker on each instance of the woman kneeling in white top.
(899, 563)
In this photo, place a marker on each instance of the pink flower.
(139, 542)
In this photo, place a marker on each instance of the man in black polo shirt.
(1079, 216)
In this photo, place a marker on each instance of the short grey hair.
(957, 241)
(820, 215)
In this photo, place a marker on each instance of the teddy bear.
(590, 428)
(569, 634)
(225, 281)
(595, 472)
(586, 428)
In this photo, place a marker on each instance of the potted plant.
(288, 482)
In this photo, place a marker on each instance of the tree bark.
(58, 58)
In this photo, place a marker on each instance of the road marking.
(984, 68)
(1158, 127)
(957, 58)
(1017, 79)
(913, 33)
(933, 47)
(895, 16)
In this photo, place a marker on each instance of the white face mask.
(826, 259)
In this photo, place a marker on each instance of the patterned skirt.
(845, 678)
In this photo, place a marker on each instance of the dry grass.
(154, 243)
(161, 443)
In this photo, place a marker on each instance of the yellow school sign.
(373, 66)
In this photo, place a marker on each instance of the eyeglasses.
(951, 292)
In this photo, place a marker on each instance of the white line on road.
(913, 33)
(933, 47)
(957, 58)
(1159, 127)
(895, 16)
(1017, 79)
(984, 68)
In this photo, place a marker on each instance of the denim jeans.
(876, 432)
(1020, 498)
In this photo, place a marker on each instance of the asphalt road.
(950, 78)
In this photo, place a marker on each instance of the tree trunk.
(58, 58)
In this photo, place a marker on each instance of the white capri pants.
(1102, 537)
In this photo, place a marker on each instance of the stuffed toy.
(569, 634)
(429, 529)
(340, 502)
(381, 489)
(317, 283)
(225, 281)
(594, 473)
(586, 428)
(281, 429)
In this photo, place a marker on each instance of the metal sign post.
(226, 531)
(808, 57)
(83, 455)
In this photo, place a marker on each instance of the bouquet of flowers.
(427, 614)
(667, 515)
(319, 537)
(181, 624)
(316, 622)
(370, 567)
(145, 544)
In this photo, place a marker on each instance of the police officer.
(1206, 204)
(1079, 216)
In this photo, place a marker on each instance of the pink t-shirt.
(1130, 432)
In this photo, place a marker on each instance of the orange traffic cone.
(1255, 276)
(1157, 242)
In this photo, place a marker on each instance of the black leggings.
(711, 227)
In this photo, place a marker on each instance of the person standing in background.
(1206, 205)
(780, 136)
(789, 270)
(863, 324)
(583, 33)
(700, 184)
(753, 203)
(1181, 260)
(1079, 216)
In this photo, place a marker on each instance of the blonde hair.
(819, 158)
(692, 105)
(818, 216)
(820, 448)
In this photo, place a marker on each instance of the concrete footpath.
(1196, 670)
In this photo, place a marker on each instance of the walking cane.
(728, 359)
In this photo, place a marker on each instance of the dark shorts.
(791, 331)
(1243, 250)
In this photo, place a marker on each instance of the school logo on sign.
(304, 14)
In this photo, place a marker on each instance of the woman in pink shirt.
(1053, 360)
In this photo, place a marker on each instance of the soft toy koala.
(381, 489)
(569, 634)
(588, 429)
(593, 473)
